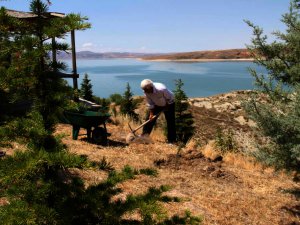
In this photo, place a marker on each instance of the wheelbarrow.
(91, 121)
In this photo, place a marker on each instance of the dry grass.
(210, 151)
(234, 191)
(14, 146)
(244, 162)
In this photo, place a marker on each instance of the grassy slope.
(233, 191)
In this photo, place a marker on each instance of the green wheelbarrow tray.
(90, 120)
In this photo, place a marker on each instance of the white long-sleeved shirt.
(161, 96)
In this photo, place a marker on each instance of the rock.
(243, 121)
(205, 104)
(225, 107)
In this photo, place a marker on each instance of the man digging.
(159, 99)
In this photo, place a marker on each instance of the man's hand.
(151, 115)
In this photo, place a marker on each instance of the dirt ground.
(231, 190)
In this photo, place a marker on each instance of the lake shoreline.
(197, 60)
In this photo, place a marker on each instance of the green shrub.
(128, 105)
(279, 117)
(183, 117)
(225, 141)
(116, 98)
(86, 91)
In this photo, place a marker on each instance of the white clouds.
(88, 46)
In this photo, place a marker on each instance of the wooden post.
(54, 51)
(75, 84)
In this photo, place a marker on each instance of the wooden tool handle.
(143, 124)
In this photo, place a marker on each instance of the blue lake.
(200, 79)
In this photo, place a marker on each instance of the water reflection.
(200, 78)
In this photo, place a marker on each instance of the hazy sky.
(167, 25)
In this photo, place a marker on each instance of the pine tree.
(38, 182)
(128, 105)
(184, 119)
(279, 117)
(32, 182)
(86, 88)
(29, 74)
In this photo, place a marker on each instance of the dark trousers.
(170, 118)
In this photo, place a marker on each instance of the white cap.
(146, 83)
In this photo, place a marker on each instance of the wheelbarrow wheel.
(99, 136)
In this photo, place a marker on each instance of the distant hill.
(229, 54)
(106, 55)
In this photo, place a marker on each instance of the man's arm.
(150, 105)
